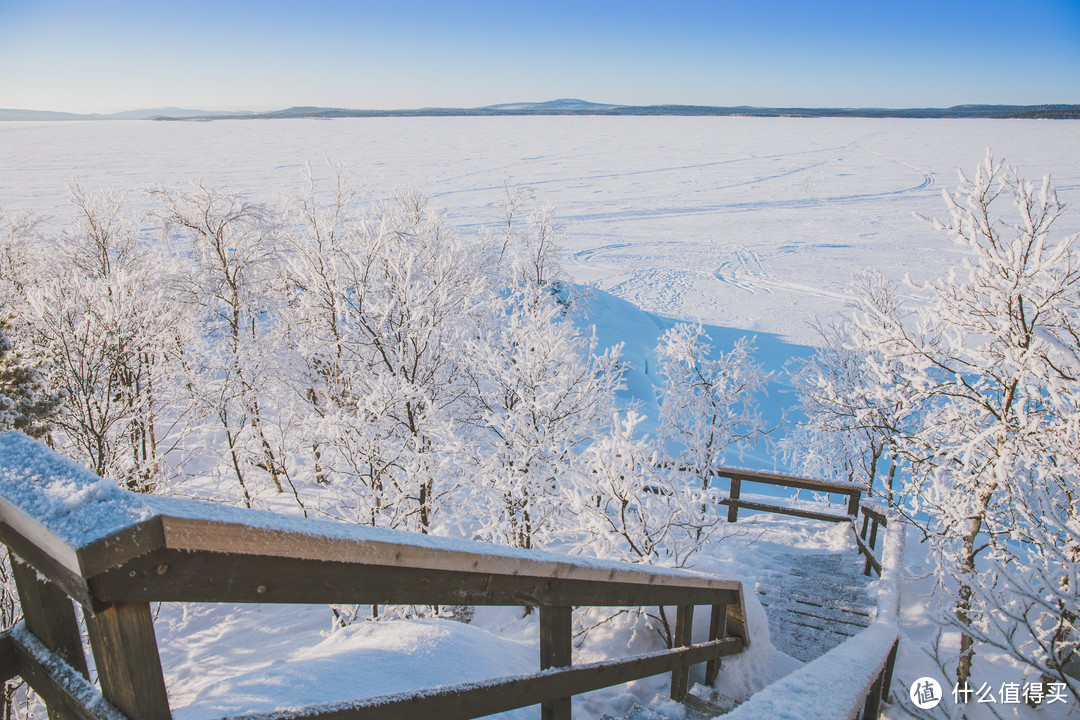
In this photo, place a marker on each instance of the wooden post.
(717, 631)
(680, 677)
(890, 663)
(555, 652)
(865, 519)
(733, 508)
(870, 546)
(873, 534)
(128, 665)
(872, 706)
(50, 616)
(853, 503)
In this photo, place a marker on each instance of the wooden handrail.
(114, 552)
(737, 476)
(874, 516)
(792, 481)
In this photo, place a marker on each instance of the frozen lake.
(750, 223)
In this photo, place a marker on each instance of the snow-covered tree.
(988, 368)
(541, 392)
(101, 317)
(386, 299)
(25, 404)
(707, 404)
(321, 239)
(233, 272)
(516, 197)
(18, 251)
(848, 427)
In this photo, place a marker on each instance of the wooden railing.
(875, 516)
(734, 501)
(74, 536)
(870, 512)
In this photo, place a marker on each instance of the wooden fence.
(73, 536)
(856, 507)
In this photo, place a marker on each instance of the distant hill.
(13, 114)
(582, 107)
(148, 114)
(560, 105)
(571, 106)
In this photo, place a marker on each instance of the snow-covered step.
(828, 609)
(814, 601)
(700, 704)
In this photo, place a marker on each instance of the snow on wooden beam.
(81, 526)
(832, 687)
(63, 688)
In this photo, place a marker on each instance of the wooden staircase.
(815, 602)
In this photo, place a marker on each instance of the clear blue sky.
(105, 56)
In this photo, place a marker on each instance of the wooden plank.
(869, 511)
(853, 503)
(555, 652)
(120, 547)
(781, 510)
(736, 621)
(39, 536)
(472, 700)
(733, 501)
(64, 691)
(871, 561)
(171, 576)
(126, 656)
(684, 626)
(237, 539)
(800, 483)
(70, 582)
(49, 615)
(717, 631)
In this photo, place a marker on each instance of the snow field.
(750, 223)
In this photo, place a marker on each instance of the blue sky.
(109, 56)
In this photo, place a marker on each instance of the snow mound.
(364, 660)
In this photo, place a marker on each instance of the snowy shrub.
(849, 427)
(628, 508)
(707, 405)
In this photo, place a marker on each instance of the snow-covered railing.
(75, 536)
(851, 680)
(738, 476)
(872, 513)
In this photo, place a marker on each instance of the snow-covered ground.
(749, 225)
